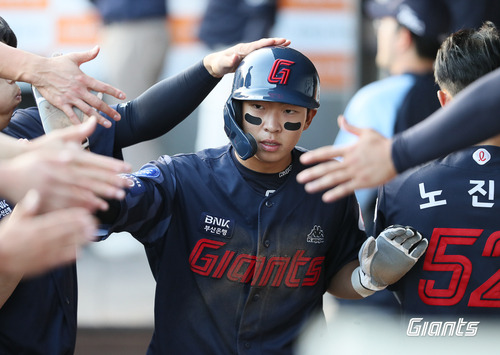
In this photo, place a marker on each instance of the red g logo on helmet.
(280, 71)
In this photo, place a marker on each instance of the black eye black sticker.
(253, 119)
(292, 126)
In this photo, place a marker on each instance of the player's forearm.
(164, 105)
(469, 119)
(19, 65)
(10, 188)
(341, 286)
(10, 147)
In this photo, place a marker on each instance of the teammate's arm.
(10, 147)
(63, 173)
(381, 262)
(366, 163)
(468, 119)
(167, 103)
(60, 80)
(31, 243)
(341, 286)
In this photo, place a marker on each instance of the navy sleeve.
(146, 210)
(469, 119)
(25, 123)
(163, 106)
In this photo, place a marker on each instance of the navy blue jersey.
(452, 202)
(236, 271)
(419, 102)
(112, 11)
(40, 316)
(227, 22)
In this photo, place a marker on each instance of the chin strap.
(244, 143)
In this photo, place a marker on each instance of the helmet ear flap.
(244, 143)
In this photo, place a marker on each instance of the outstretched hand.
(64, 85)
(226, 61)
(33, 243)
(366, 163)
(64, 174)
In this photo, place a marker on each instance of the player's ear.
(310, 115)
(443, 97)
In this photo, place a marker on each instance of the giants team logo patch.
(280, 71)
(216, 226)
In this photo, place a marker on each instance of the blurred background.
(116, 288)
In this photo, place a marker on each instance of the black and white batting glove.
(384, 260)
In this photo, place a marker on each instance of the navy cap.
(425, 18)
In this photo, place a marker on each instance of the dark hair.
(426, 47)
(465, 56)
(7, 36)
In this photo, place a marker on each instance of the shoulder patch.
(135, 186)
(481, 156)
(148, 171)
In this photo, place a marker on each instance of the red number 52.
(486, 295)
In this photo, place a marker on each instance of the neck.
(256, 164)
(492, 141)
(412, 64)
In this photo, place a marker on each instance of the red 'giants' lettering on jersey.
(279, 72)
(294, 271)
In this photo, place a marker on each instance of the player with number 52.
(452, 202)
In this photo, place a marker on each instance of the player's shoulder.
(382, 95)
(207, 157)
(25, 123)
(26, 115)
(389, 84)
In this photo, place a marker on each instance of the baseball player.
(40, 315)
(452, 200)
(241, 254)
(408, 36)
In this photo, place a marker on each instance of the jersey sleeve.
(467, 120)
(163, 106)
(147, 208)
(25, 123)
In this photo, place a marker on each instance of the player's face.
(277, 128)
(10, 97)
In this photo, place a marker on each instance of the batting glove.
(384, 260)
